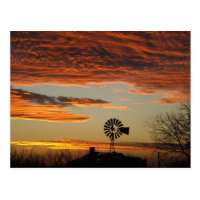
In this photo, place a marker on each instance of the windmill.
(113, 129)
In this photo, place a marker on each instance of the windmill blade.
(120, 125)
(117, 122)
(107, 123)
(117, 134)
(111, 135)
(108, 135)
(106, 129)
(112, 121)
(120, 133)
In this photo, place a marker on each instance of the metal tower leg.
(112, 145)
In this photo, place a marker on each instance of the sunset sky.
(66, 85)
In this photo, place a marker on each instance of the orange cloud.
(172, 98)
(124, 99)
(29, 105)
(111, 106)
(150, 62)
(23, 109)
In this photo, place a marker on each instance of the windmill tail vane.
(113, 129)
(125, 130)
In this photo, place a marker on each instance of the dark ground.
(98, 159)
(91, 159)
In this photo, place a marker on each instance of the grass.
(52, 158)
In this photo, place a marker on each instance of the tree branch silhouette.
(172, 130)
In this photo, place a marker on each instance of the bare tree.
(172, 130)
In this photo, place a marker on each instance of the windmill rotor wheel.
(112, 128)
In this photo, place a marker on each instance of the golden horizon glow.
(79, 145)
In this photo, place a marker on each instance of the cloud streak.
(150, 62)
(23, 106)
(29, 105)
